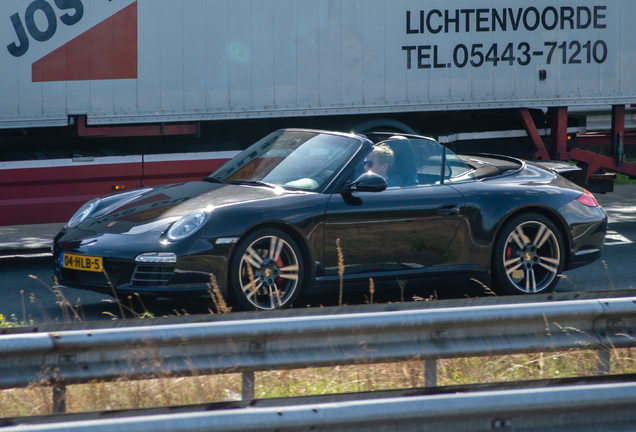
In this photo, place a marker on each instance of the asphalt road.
(27, 291)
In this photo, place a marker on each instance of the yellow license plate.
(81, 262)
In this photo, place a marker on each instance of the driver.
(380, 160)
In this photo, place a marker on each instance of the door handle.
(448, 210)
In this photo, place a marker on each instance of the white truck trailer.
(80, 74)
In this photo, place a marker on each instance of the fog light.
(157, 257)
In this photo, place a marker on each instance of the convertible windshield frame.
(294, 159)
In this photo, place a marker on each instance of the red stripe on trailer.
(33, 192)
(53, 194)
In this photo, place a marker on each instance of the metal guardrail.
(245, 346)
(328, 398)
(297, 342)
(607, 407)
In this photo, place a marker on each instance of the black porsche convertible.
(306, 211)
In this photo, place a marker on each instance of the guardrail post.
(247, 387)
(604, 361)
(430, 373)
(59, 398)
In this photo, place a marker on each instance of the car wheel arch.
(547, 212)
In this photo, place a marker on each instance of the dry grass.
(162, 391)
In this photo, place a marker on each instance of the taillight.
(587, 199)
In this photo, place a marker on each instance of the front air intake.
(151, 275)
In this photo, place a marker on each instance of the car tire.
(528, 256)
(267, 271)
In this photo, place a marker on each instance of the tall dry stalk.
(112, 288)
(69, 312)
(402, 284)
(341, 269)
(217, 298)
(486, 288)
(609, 276)
(24, 315)
(371, 290)
(254, 289)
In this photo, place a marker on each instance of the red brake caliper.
(279, 263)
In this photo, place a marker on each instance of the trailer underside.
(596, 168)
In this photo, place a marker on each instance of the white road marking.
(613, 238)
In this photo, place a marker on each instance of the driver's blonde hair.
(384, 154)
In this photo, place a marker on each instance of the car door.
(396, 231)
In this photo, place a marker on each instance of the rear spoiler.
(555, 166)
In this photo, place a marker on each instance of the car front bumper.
(200, 267)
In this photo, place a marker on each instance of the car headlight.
(82, 213)
(187, 225)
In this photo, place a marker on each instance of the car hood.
(150, 209)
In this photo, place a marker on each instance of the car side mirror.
(368, 182)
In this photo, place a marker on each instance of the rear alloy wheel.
(267, 272)
(528, 256)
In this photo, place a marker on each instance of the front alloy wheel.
(268, 271)
(528, 256)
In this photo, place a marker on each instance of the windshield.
(294, 159)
